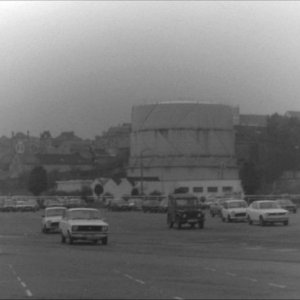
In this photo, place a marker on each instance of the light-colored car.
(266, 211)
(83, 224)
(51, 218)
(26, 205)
(9, 205)
(234, 210)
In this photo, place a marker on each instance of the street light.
(142, 169)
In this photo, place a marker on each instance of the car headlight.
(199, 215)
(105, 228)
(74, 228)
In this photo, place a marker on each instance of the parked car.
(265, 212)
(53, 203)
(83, 224)
(234, 210)
(51, 218)
(163, 205)
(9, 205)
(184, 209)
(287, 204)
(151, 204)
(216, 206)
(26, 205)
(119, 205)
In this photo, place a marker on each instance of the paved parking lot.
(144, 259)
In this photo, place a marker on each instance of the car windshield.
(84, 214)
(54, 212)
(237, 204)
(187, 202)
(266, 205)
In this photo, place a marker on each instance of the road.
(146, 260)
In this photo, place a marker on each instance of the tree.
(37, 182)
(98, 189)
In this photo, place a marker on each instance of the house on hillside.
(116, 187)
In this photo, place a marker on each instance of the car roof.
(55, 207)
(260, 201)
(82, 208)
(235, 200)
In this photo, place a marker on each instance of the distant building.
(293, 114)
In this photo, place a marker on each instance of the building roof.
(62, 159)
(182, 116)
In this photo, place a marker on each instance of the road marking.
(140, 281)
(231, 274)
(277, 285)
(178, 298)
(128, 276)
(210, 269)
(27, 291)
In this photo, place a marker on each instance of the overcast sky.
(80, 66)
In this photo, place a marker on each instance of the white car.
(234, 210)
(51, 219)
(266, 211)
(83, 224)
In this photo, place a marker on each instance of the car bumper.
(239, 218)
(88, 236)
(276, 219)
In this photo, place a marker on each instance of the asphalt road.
(146, 260)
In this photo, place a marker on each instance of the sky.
(82, 65)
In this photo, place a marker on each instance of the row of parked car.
(11, 204)
(150, 204)
(259, 211)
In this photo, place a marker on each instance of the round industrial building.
(186, 147)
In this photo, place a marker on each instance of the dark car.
(287, 204)
(151, 204)
(184, 209)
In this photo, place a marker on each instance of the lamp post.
(142, 170)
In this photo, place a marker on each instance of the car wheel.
(44, 230)
(285, 223)
(229, 219)
(250, 221)
(212, 214)
(170, 223)
(223, 219)
(63, 239)
(69, 239)
(178, 224)
(261, 221)
(201, 225)
(104, 240)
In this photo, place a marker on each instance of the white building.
(184, 145)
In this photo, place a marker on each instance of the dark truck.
(185, 209)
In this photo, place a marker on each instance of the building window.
(182, 189)
(198, 189)
(227, 189)
(212, 189)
